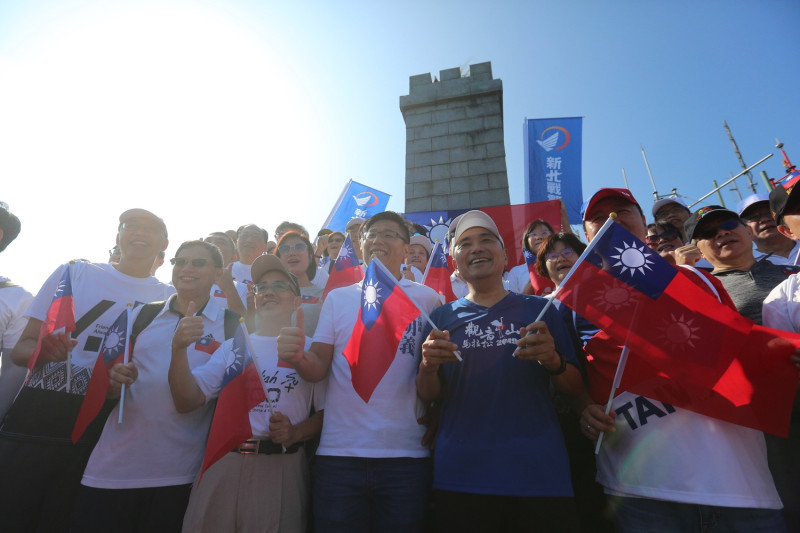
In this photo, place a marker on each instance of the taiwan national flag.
(346, 269)
(207, 344)
(686, 348)
(539, 283)
(385, 314)
(437, 274)
(61, 314)
(112, 351)
(241, 391)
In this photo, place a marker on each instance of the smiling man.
(770, 242)
(140, 472)
(727, 244)
(371, 471)
(496, 403)
(652, 452)
(40, 468)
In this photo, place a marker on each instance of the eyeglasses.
(658, 237)
(146, 228)
(555, 256)
(757, 214)
(335, 240)
(711, 231)
(287, 248)
(263, 287)
(385, 235)
(198, 262)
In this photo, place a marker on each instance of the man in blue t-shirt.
(500, 461)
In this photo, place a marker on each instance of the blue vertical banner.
(553, 162)
(356, 200)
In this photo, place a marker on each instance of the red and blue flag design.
(112, 351)
(539, 283)
(241, 391)
(437, 274)
(346, 269)
(686, 347)
(60, 314)
(385, 314)
(207, 344)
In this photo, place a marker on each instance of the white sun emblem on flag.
(115, 339)
(616, 296)
(371, 294)
(437, 230)
(632, 258)
(679, 332)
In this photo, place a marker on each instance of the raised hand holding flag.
(346, 269)
(692, 351)
(437, 274)
(60, 316)
(113, 350)
(242, 389)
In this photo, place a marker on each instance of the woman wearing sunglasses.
(297, 254)
(665, 239)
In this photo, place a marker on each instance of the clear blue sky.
(218, 113)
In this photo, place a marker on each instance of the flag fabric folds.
(356, 200)
(241, 391)
(385, 314)
(437, 274)
(61, 314)
(112, 351)
(346, 269)
(511, 220)
(540, 284)
(687, 348)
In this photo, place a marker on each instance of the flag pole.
(270, 407)
(428, 266)
(421, 312)
(623, 360)
(125, 358)
(589, 248)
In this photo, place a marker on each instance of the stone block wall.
(455, 149)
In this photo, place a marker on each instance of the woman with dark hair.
(297, 253)
(556, 256)
(521, 278)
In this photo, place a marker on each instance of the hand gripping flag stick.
(422, 313)
(624, 356)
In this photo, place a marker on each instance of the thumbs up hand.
(190, 328)
(292, 341)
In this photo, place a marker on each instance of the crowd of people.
(479, 416)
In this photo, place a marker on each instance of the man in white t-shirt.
(251, 241)
(263, 483)
(40, 467)
(666, 468)
(371, 471)
(139, 475)
(14, 301)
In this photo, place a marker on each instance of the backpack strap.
(231, 323)
(143, 319)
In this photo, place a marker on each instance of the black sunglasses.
(666, 236)
(711, 231)
(198, 262)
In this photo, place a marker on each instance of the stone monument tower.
(455, 150)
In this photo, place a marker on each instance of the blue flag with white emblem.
(553, 148)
